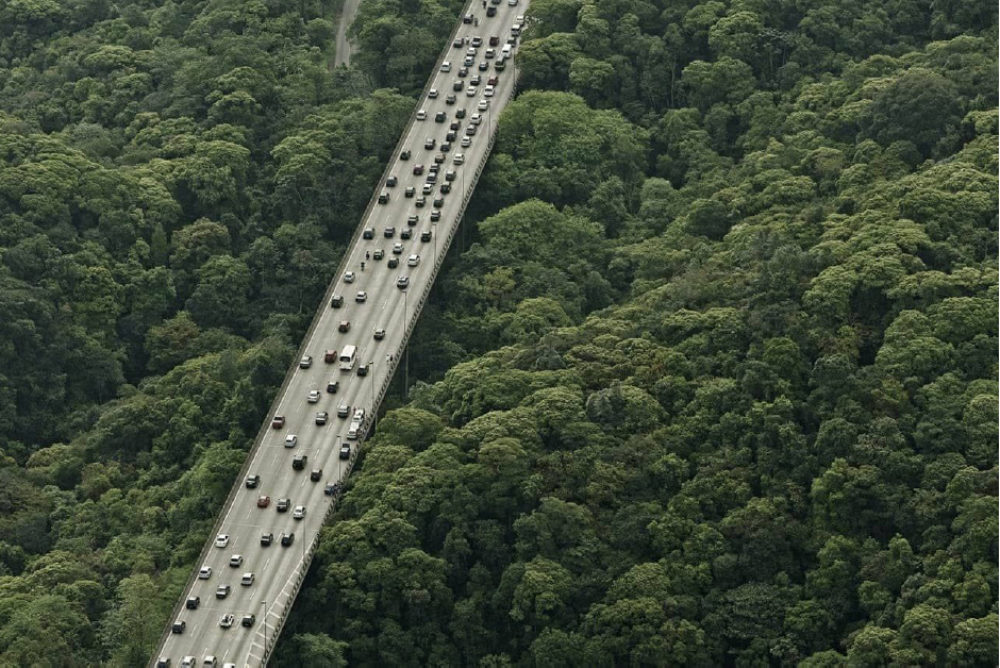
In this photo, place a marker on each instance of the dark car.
(265, 540)
(344, 326)
(438, 202)
(299, 462)
(455, 125)
(331, 488)
(391, 181)
(420, 202)
(410, 191)
(435, 215)
(393, 262)
(425, 236)
(404, 154)
(405, 233)
(460, 113)
(450, 99)
(445, 188)
(248, 620)
(440, 117)
(345, 451)
(369, 233)
(491, 11)
(418, 170)
(363, 370)
(430, 143)
(315, 475)
(333, 386)
(252, 481)
(378, 254)
(494, 40)
(412, 220)
(448, 138)
(457, 86)
(193, 602)
(178, 626)
(337, 301)
(446, 146)
(403, 282)
(283, 505)
(483, 66)
(389, 232)
(287, 539)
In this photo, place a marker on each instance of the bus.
(347, 358)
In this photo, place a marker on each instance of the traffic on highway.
(250, 570)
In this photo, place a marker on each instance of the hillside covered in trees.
(710, 377)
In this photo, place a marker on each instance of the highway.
(277, 570)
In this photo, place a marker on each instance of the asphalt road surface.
(387, 306)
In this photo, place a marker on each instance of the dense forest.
(710, 377)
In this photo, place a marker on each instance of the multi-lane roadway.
(277, 570)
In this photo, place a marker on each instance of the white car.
(470, 91)
(349, 277)
(222, 540)
(488, 91)
(466, 142)
(291, 441)
(299, 512)
(446, 66)
(236, 560)
(247, 579)
(313, 396)
(413, 260)
(421, 115)
(227, 620)
(459, 158)
(432, 93)
(476, 119)
(188, 662)
(483, 105)
(205, 572)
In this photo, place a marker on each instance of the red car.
(263, 501)
(344, 325)
(278, 422)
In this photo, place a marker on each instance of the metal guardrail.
(269, 640)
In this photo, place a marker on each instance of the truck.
(347, 358)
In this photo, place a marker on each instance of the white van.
(347, 358)
(505, 51)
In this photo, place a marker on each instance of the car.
(425, 236)
(336, 301)
(491, 11)
(488, 91)
(383, 197)
(458, 159)
(226, 621)
(188, 662)
(470, 131)
(363, 369)
(345, 451)
(438, 202)
(331, 488)
(248, 620)
(466, 19)
(476, 80)
(463, 72)
(163, 662)
(427, 189)
(192, 602)
(471, 52)
(333, 386)
(445, 188)
(483, 105)
(205, 572)
(222, 591)
(359, 415)
(412, 220)
(343, 410)
(178, 626)
(439, 158)
(460, 113)
(430, 143)
(349, 277)
(299, 513)
(404, 154)
(321, 417)
(251, 483)
(457, 85)
(263, 501)
(397, 249)
(477, 41)
(466, 142)
(483, 66)
(469, 61)
(368, 233)
(393, 262)
(512, 3)
(490, 54)
(476, 119)
(459, 42)
(420, 202)
(287, 538)
(391, 181)
(403, 282)
(236, 561)
(455, 126)
(493, 80)
(313, 396)
(266, 539)
(494, 40)
(299, 462)
(306, 362)
(418, 170)
(278, 421)
(440, 117)
(446, 146)
(413, 260)
(432, 93)
(389, 232)
(344, 326)
(410, 191)
(405, 233)
(330, 356)
(499, 65)
(361, 297)
(435, 216)
(450, 175)
(222, 540)
(380, 333)
(421, 114)
(378, 254)
(282, 505)
(470, 91)
(315, 475)
(433, 176)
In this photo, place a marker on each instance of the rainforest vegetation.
(709, 378)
